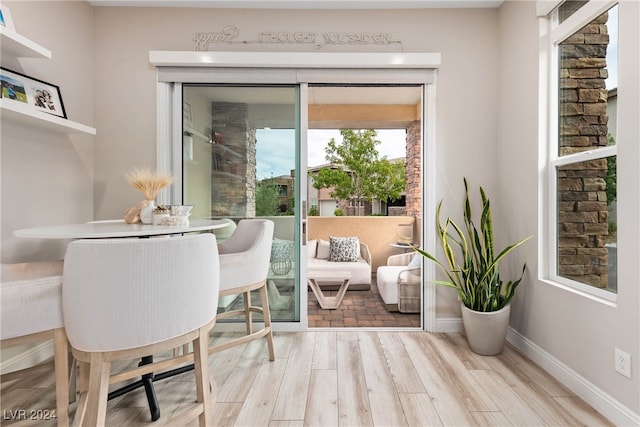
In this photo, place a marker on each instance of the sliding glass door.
(239, 149)
(235, 132)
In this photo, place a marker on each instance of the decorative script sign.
(202, 40)
(229, 35)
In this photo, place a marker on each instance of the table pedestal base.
(329, 303)
(147, 381)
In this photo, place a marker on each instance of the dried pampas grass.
(147, 182)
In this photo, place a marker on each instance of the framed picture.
(5, 18)
(38, 95)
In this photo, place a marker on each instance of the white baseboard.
(601, 401)
(449, 324)
(30, 357)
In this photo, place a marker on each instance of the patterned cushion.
(343, 249)
(282, 249)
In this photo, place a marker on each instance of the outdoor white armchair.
(399, 282)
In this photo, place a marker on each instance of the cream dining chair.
(244, 265)
(31, 310)
(126, 299)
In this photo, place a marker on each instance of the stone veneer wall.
(582, 200)
(233, 175)
(349, 210)
(414, 171)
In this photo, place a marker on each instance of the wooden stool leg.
(61, 366)
(81, 410)
(83, 387)
(266, 313)
(83, 380)
(247, 312)
(201, 364)
(99, 371)
(73, 377)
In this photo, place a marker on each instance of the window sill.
(594, 294)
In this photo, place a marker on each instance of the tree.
(266, 199)
(357, 173)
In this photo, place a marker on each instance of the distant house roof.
(323, 166)
(333, 166)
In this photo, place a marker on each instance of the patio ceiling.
(363, 107)
(330, 107)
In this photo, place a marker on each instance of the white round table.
(116, 228)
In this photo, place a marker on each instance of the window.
(583, 153)
(282, 191)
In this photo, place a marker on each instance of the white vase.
(486, 331)
(146, 213)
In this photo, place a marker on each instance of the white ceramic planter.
(486, 332)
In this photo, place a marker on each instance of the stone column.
(233, 175)
(414, 171)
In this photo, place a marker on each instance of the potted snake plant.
(471, 267)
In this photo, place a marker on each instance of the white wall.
(577, 331)
(48, 178)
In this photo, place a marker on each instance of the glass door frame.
(175, 68)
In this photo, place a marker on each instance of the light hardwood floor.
(348, 378)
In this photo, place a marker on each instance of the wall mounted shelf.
(15, 45)
(190, 131)
(18, 46)
(228, 175)
(224, 149)
(220, 148)
(15, 112)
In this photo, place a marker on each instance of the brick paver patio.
(358, 309)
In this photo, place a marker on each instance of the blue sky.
(275, 150)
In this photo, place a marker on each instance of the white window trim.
(555, 33)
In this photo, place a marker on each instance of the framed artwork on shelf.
(5, 18)
(36, 94)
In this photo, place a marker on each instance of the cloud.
(392, 143)
(275, 152)
(317, 140)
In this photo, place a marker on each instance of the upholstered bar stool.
(31, 310)
(130, 298)
(244, 265)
